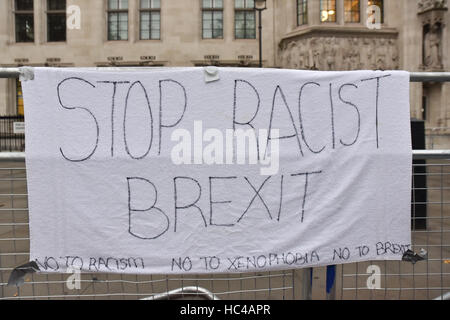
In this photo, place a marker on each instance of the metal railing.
(10, 139)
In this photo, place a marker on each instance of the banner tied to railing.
(187, 170)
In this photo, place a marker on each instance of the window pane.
(217, 33)
(155, 34)
(250, 20)
(118, 26)
(123, 17)
(251, 34)
(351, 10)
(150, 4)
(24, 4)
(328, 10)
(123, 35)
(212, 21)
(207, 33)
(123, 4)
(302, 12)
(145, 18)
(24, 28)
(56, 27)
(113, 4)
(240, 24)
(239, 4)
(156, 16)
(117, 4)
(244, 24)
(56, 4)
(150, 25)
(156, 4)
(250, 4)
(207, 15)
(218, 4)
(207, 4)
(145, 34)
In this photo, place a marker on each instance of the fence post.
(307, 284)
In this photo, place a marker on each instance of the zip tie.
(26, 73)
(211, 74)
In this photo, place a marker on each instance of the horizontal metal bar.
(9, 73)
(430, 76)
(12, 156)
(417, 155)
(431, 154)
(443, 297)
(103, 295)
(181, 292)
(414, 76)
(422, 274)
(396, 289)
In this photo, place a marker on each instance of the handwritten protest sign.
(160, 171)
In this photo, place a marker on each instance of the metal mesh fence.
(427, 279)
(10, 140)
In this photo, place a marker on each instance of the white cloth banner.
(183, 171)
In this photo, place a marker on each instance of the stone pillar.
(228, 15)
(340, 19)
(363, 4)
(40, 22)
(314, 12)
(133, 20)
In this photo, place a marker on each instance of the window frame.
(244, 10)
(213, 10)
(16, 13)
(117, 11)
(304, 14)
(150, 11)
(48, 12)
(335, 9)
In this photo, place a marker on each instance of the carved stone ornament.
(340, 53)
(431, 13)
(426, 5)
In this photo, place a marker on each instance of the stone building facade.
(411, 35)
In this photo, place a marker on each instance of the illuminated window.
(302, 12)
(24, 20)
(212, 19)
(150, 19)
(19, 98)
(352, 11)
(380, 4)
(117, 19)
(244, 19)
(328, 10)
(56, 20)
